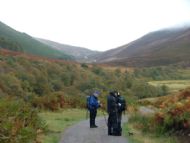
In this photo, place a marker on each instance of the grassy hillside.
(80, 54)
(29, 76)
(35, 83)
(169, 46)
(51, 84)
(17, 41)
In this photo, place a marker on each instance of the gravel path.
(81, 133)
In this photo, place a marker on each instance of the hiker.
(121, 105)
(93, 105)
(112, 112)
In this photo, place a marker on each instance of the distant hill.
(163, 47)
(79, 53)
(13, 40)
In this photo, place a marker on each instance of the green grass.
(185, 73)
(57, 122)
(173, 85)
(141, 137)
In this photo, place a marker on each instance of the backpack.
(122, 101)
(88, 102)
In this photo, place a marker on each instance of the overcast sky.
(94, 24)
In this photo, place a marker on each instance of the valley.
(44, 84)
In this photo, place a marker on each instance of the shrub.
(18, 122)
(83, 65)
(141, 122)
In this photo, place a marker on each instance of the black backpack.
(122, 101)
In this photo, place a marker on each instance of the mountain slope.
(80, 54)
(156, 48)
(17, 41)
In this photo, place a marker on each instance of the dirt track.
(81, 133)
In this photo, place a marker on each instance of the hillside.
(163, 47)
(27, 76)
(17, 41)
(79, 53)
(28, 82)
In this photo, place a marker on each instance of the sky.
(93, 24)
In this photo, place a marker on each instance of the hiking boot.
(94, 126)
(109, 134)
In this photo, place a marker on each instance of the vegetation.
(48, 84)
(57, 122)
(170, 117)
(52, 84)
(164, 47)
(19, 122)
(172, 72)
(139, 136)
(29, 84)
(16, 41)
(174, 113)
(10, 45)
(172, 85)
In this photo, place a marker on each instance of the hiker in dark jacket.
(121, 104)
(112, 111)
(94, 104)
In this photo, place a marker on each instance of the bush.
(11, 85)
(83, 65)
(173, 116)
(18, 122)
(141, 122)
(98, 71)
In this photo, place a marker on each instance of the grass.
(140, 137)
(185, 73)
(57, 122)
(173, 85)
(139, 126)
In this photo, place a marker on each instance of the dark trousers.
(119, 119)
(93, 113)
(112, 119)
(114, 124)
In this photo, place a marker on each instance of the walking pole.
(87, 114)
(105, 117)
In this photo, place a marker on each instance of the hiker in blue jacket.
(94, 104)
